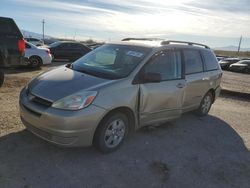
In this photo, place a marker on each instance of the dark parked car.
(70, 51)
(12, 46)
(225, 63)
(49, 41)
(241, 66)
(95, 45)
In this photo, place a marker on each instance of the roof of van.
(155, 43)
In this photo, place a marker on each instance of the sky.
(214, 22)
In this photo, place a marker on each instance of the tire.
(1, 78)
(246, 70)
(205, 104)
(35, 61)
(111, 132)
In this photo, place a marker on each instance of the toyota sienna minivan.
(119, 87)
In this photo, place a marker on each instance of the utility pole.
(239, 44)
(43, 22)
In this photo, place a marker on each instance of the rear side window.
(210, 61)
(193, 61)
(8, 27)
(167, 64)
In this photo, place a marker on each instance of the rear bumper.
(47, 60)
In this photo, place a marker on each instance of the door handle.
(180, 85)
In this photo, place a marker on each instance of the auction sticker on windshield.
(135, 54)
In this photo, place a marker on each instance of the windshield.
(55, 44)
(111, 61)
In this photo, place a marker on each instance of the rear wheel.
(35, 61)
(111, 132)
(1, 77)
(205, 104)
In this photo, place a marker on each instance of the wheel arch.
(212, 91)
(125, 110)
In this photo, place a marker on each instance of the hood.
(61, 82)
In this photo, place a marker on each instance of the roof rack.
(166, 42)
(146, 39)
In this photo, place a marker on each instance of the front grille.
(41, 101)
(38, 100)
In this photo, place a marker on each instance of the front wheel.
(205, 104)
(111, 132)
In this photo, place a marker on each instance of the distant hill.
(34, 35)
(232, 48)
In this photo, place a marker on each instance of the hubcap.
(114, 134)
(206, 104)
(34, 62)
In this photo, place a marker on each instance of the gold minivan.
(119, 87)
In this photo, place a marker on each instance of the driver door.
(163, 100)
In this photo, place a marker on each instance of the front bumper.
(217, 92)
(61, 127)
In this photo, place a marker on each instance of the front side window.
(111, 60)
(210, 60)
(193, 62)
(167, 64)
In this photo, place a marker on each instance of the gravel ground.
(212, 151)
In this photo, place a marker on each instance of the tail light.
(21, 45)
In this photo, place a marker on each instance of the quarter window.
(167, 64)
(193, 62)
(210, 61)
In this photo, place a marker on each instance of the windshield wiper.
(95, 73)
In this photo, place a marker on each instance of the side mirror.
(150, 77)
(68, 65)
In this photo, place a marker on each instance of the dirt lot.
(190, 152)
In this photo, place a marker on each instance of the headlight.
(76, 101)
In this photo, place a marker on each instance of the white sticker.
(135, 54)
